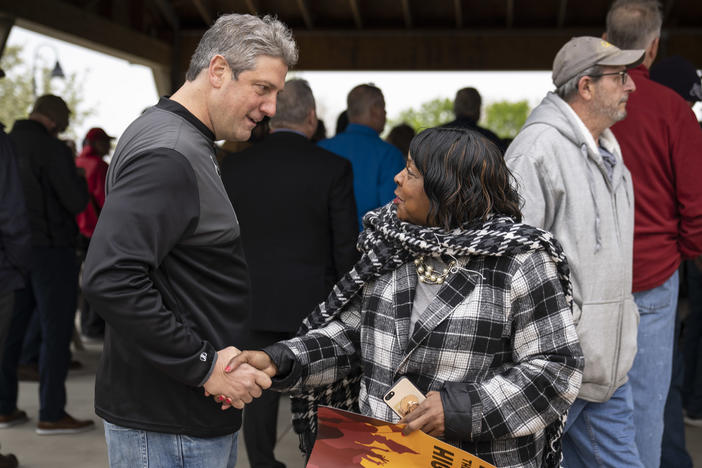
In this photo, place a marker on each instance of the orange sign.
(346, 440)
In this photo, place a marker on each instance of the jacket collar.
(88, 152)
(359, 128)
(558, 114)
(178, 109)
(457, 287)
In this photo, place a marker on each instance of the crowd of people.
(529, 289)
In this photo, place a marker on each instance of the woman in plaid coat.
(455, 294)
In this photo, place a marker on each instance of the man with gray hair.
(570, 173)
(375, 162)
(165, 267)
(300, 248)
(466, 107)
(660, 141)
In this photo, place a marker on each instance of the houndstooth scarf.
(386, 243)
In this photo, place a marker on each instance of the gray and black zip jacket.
(166, 271)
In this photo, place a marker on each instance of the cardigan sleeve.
(546, 370)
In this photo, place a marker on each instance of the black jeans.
(51, 288)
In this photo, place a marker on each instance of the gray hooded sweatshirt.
(566, 190)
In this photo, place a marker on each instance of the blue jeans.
(51, 289)
(134, 448)
(599, 435)
(650, 375)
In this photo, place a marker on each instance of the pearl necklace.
(428, 275)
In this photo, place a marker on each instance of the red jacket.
(95, 173)
(661, 143)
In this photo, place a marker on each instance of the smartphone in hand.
(403, 397)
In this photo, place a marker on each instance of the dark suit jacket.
(297, 213)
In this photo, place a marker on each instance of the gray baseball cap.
(581, 53)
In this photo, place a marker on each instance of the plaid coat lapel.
(404, 284)
(455, 290)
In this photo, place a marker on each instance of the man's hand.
(257, 359)
(236, 388)
(428, 417)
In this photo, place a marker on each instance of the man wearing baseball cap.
(574, 183)
(95, 146)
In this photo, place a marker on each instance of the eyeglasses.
(622, 74)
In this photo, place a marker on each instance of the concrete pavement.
(88, 450)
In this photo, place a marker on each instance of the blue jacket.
(374, 161)
(15, 236)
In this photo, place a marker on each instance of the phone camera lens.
(389, 396)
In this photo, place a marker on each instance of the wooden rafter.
(459, 13)
(510, 14)
(667, 9)
(73, 24)
(407, 13)
(168, 12)
(356, 12)
(305, 11)
(204, 12)
(562, 8)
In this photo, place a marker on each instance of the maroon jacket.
(95, 172)
(661, 143)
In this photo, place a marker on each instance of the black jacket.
(15, 237)
(298, 224)
(166, 271)
(53, 190)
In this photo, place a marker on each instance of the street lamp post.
(57, 71)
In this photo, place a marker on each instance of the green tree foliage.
(430, 114)
(16, 93)
(506, 118)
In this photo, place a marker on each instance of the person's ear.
(311, 123)
(312, 118)
(585, 87)
(652, 50)
(218, 71)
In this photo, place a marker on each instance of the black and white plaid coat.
(497, 341)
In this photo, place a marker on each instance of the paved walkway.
(88, 450)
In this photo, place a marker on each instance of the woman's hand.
(256, 359)
(428, 417)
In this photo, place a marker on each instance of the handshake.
(239, 377)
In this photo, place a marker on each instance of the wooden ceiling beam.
(562, 9)
(458, 8)
(167, 11)
(407, 14)
(356, 12)
(666, 12)
(204, 12)
(510, 14)
(64, 21)
(452, 50)
(305, 11)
